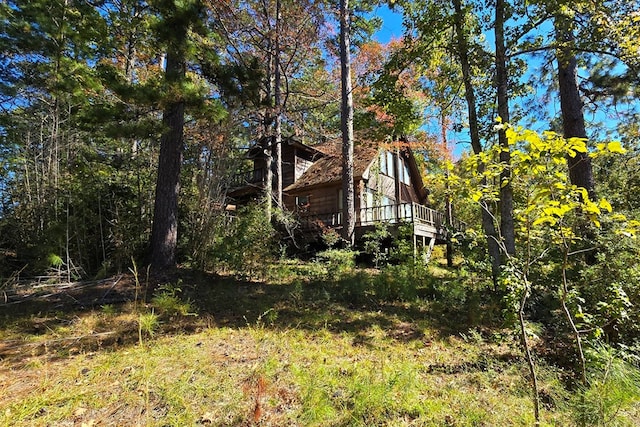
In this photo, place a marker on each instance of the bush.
(375, 244)
(399, 282)
(168, 302)
(248, 243)
(338, 262)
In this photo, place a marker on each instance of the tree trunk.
(580, 169)
(164, 234)
(487, 217)
(277, 148)
(502, 84)
(348, 202)
(267, 139)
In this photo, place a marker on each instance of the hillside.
(212, 350)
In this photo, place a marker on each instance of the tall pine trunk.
(164, 234)
(348, 198)
(573, 125)
(507, 230)
(267, 138)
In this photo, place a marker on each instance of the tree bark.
(507, 230)
(164, 233)
(348, 201)
(573, 125)
(267, 139)
(277, 148)
(487, 217)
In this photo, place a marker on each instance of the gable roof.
(257, 150)
(328, 170)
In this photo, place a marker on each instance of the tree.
(502, 88)
(269, 45)
(348, 203)
(176, 20)
(462, 50)
(46, 80)
(573, 123)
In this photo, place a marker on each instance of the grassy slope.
(261, 354)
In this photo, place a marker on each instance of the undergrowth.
(320, 345)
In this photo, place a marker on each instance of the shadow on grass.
(43, 322)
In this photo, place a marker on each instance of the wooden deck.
(427, 223)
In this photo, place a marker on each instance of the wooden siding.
(301, 166)
(321, 200)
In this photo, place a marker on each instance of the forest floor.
(199, 349)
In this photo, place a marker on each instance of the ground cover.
(199, 349)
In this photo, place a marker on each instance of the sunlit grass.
(268, 355)
(311, 378)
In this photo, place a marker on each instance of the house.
(387, 182)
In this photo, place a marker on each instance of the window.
(302, 202)
(386, 163)
(383, 162)
(403, 168)
(390, 168)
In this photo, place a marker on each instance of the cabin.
(387, 182)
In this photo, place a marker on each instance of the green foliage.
(399, 282)
(402, 245)
(148, 324)
(610, 288)
(614, 389)
(247, 244)
(55, 261)
(330, 237)
(169, 302)
(375, 241)
(338, 262)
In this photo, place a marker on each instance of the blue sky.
(392, 24)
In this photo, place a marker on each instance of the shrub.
(398, 282)
(248, 243)
(374, 244)
(168, 302)
(338, 262)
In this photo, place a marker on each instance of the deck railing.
(392, 214)
(255, 176)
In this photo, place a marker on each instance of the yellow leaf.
(604, 204)
(545, 219)
(578, 144)
(618, 217)
(592, 208)
(616, 147)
